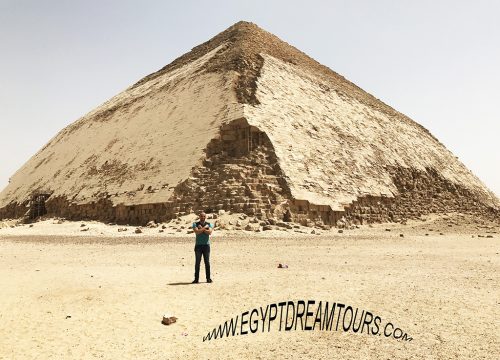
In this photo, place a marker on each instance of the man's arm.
(208, 231)
(197, 230)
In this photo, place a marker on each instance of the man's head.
(203, 216)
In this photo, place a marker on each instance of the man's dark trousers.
(200, 250)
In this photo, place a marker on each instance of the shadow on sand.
(180, 283)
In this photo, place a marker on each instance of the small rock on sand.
(152, 224)
(168, 319)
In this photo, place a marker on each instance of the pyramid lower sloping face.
(334, 149)
(137, 146)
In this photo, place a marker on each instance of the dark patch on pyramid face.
(245, 122)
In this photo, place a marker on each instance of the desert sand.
(104, 295)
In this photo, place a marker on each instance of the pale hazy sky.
(435, 61)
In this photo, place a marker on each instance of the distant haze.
(437, 62)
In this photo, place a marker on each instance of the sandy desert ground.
(103, 295)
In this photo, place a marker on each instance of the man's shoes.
(195, 281)
(209, 281)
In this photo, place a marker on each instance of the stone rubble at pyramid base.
(241, 174)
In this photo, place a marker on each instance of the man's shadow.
(180, 283)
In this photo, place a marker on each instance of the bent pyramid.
(247, 123)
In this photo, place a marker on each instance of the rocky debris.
(252, 227)
(267, 227)
(82, 225)
(284, 225)
(340, 231)
(151, 224)
(122, 229)
(138, 231)
(85, 229)
(401, 235)
(168, 319)
(219, 224)
(161, 230)
(282, 266)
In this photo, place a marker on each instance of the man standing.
(203, 230)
